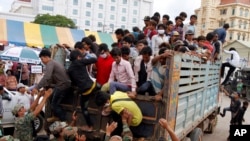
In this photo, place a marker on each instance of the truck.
(190, 102)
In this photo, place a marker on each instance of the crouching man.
(23, 126)
(121, 104)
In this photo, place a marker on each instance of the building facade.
(93, 15)
(215, 13)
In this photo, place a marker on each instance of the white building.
(93, 15)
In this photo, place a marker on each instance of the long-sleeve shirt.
(123, 73)
(137, 67)
(235, 58)
(157, 40)
(56, 75)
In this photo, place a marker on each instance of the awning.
(30, 34)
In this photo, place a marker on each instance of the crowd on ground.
(135, 65)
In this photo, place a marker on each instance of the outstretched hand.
(164, 123)
(110, 127)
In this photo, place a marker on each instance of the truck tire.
(196, 135)
(38, 121)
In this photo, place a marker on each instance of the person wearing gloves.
(232, 64)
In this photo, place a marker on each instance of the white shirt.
(24, 99)
(157, 40)
(236, 58)
(187, 27)
(8, 66)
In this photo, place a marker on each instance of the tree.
(57, 20)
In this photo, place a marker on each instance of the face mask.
(161, 31)
(104, 55)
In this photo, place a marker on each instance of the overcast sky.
(170, 7)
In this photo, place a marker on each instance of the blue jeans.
(146, 87)
(116, 86)
(57, 97)
(226, 109)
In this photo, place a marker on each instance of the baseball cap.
(17, 108)
(20, 85)
(175, 33)
(146, 18)
(189, 32)
(57, 126)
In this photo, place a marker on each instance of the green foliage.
(57, 20)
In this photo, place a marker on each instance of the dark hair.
(210, 36)
(169, 23)
(162, 50)
(101, 98)
(126, 31)
(193, 16)
(1, 87)
(92, 37)
(155, 19)
(74, 54)
(141, 36)
(146, 51)
(135, 29)
(119, 31)
(125, 51)
(143, 41)
(78, 45)
(166, 16)
(201, 37)
(245, 103)
(157, 14)
(11, 72)
(182, 49)
(226, 26)
(191, 47)
(164, 44)
(178, 18)
(232, 48)
(127, 39)
(183, 14)
(114, 44)
(45, 53)
(116, 52)
(161, 25)
(103, 47)
(89, 42)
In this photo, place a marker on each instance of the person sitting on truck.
(232, 64)
(234, 106)
(23, 126)
(121, 72)
(55, 76)
(120, 105)
(80, 78)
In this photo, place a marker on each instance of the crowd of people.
(135, 65)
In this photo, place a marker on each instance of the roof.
(234, 1)
(245, 43)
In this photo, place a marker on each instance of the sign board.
(36, 69)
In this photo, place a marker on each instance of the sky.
(170, 7)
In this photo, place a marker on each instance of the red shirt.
(103, 66)
(208, 45)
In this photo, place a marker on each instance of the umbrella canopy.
(21, 54)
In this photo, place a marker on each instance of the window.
(75, 2)
(230, 36)
(112, 0)
(47, 8)
(100, 6)
(99, 24)
(112, 17)
(87, 23)
(232, 23)
(88, 13)
(245, 25)
(124, 1)
(112, 8)
(134, 20)
(233, 11)
(135, 3)
(75, 12)
(240, 23)
(123, 19)
(241, 12)
(88, 4)
(135, 12)
(124, 10)
(223, 11)
(123, 26)
(100, 15)
(246, 13)
(112, 26)
(244, 36)
(238, 36)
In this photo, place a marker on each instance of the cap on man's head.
(189, 32)
(146, 18)
(175, 33)
(20, 85)
(17, 108)
(57, 126)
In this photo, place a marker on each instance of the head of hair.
(114, 44)
(232, 48)
(126, 31)
(45, 53)
(245, 103)
(116, 52)
(183, 14)
(161, 25)
(143, 41)
(182, 49)
(103, 47)
(89, 42)
(201, 37)
(157, 14)
(191, 47)
(162, 50)
(125, 51)
(119, 31)
(135, 29)
(166, 17)
(193, 16)
(169, 23)
(11, 72)
(78, 45)
(141, 36)
(101, 98)
(226, 26)
(92, 37)
(74, 54)
(164, 44)
(210, 36)
(178, 18)
(146, 51)
(128, 39)
(154, 21)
